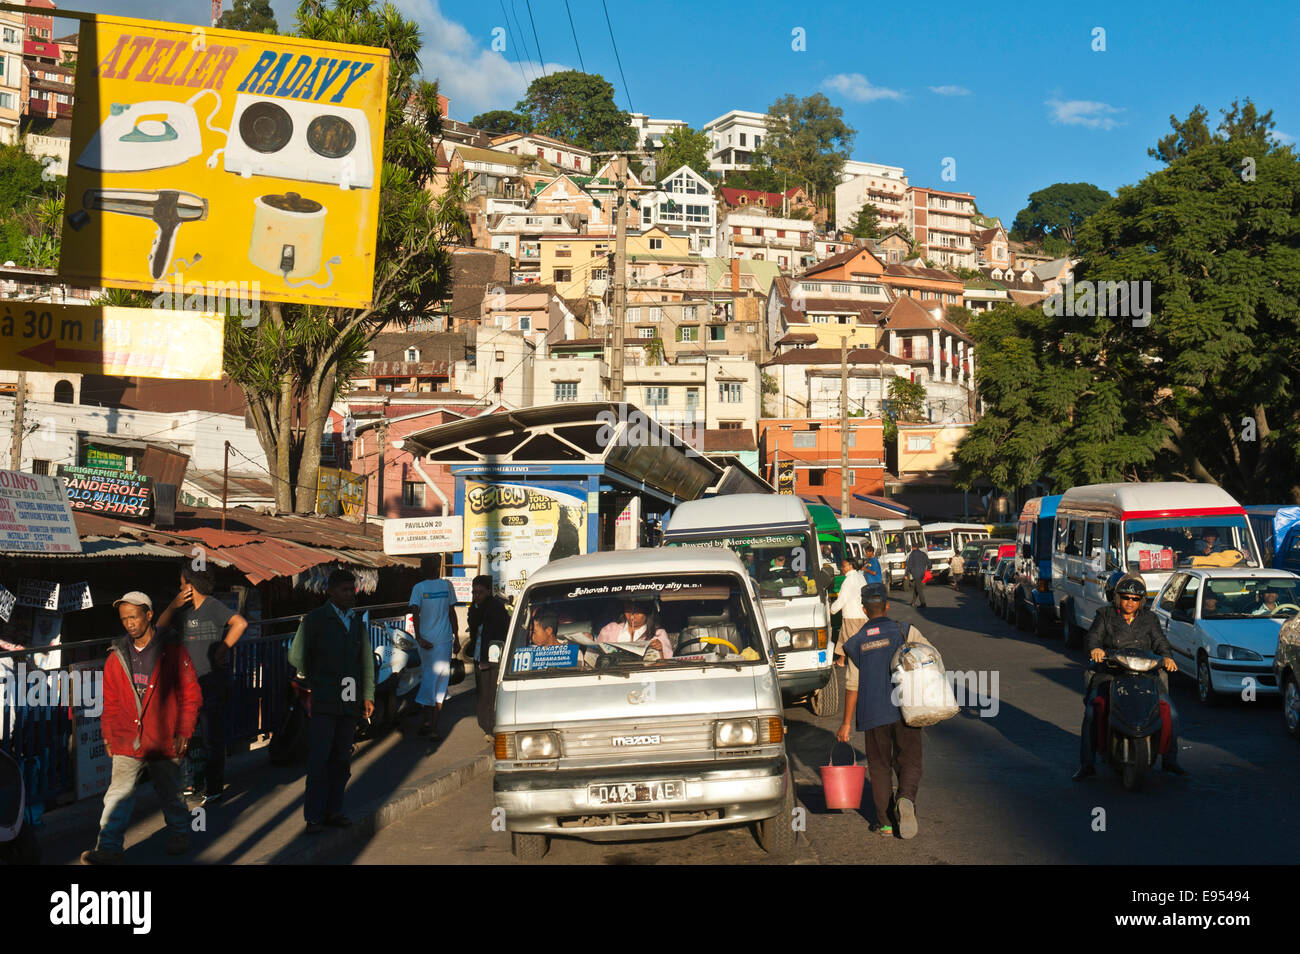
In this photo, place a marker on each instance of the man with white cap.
(151, 701)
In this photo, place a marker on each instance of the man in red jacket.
(151, 702)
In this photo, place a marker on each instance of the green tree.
(1058, 211)
(251, 16)
(683, 146)
(579, 109)
(31, 209)
(502, 121)
(807, 143)
(1204, 390)
(1240, 124)
(906, 403)
(759, 176)
(301, 357)
(867, 222)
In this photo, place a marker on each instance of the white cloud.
(1083, 112)
(1284, 138)
(950, 90)
(468, 71)
(856, 86)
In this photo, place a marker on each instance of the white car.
(1223, 624)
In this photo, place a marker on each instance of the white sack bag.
(921, 688)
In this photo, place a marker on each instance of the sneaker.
(906, 818)
(214, 797)
(886, 830)
(97, 856)
(188, 791)
(178, 844)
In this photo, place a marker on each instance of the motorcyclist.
(1126, 624)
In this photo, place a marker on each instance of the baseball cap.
(136, 598)
(874, 591)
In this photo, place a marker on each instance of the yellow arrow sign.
(130, 342)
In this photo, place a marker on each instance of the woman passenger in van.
(639, 621)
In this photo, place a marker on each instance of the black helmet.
(1131, 586)
(1111, 582)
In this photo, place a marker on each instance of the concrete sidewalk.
(260, 820)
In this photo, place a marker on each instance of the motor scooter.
(289, 742)
(18, 843)
(397, 678)
(1132, 723)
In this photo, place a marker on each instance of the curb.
(381, 813)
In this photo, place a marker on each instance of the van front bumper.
(717, 793)
(802, 682)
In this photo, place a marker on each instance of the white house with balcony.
(559, 154)
(885, 187)
(685, 202)
(735, 136)
(787, 242)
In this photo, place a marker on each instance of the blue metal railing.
(40, 737)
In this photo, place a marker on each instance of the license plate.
(624, 793)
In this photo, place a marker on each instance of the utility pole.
(20, 405)
(382, 434)
(619, 165)
(225, 484)
(844, 427)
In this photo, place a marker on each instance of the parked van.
(1033, 606)
(1277, 530)
(943, 540)
(774, 536)
(861, 532)
(1147, 528)
(605, 733)
(899, 536)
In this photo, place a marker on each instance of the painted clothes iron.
(154, 134)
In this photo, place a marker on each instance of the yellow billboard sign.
(218, 156)
(130, 342)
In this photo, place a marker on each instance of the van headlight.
(537, 745)
(809, 638)
(730, 733)
(1238, 653)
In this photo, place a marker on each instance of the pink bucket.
(843, 783)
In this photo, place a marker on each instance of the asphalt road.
(996, 788)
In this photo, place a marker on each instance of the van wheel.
(1204, 684)
(1024, 621)
(776, 834)
(828, 700)
(527, 847)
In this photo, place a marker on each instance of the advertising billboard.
(520, 527)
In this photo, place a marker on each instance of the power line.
(520, 31)
(518, 63)
(626, 91)
(575, 35)
(541, 61)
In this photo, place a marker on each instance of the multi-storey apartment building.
(885, 187)
(941, 224)
(735, 134)
(685, 202)
(560, 154)
(12, 95)
(788, 242)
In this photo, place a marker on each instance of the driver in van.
(639, 622)
(1207, 544)
(1126, 624)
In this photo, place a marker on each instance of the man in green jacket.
(332, 650)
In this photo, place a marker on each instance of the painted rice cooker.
(288, 235)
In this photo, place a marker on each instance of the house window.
(758, 141)
(717, 333)
(817, 477)
(654, 396)
(742, 139)
(804, 440)
(500, 357)
(656, 313)
(412, 493)
(634, 314)
(498, 384)
(561, 276)
(563, 251)
(63, 392)
(916, 442)
(692, 398)
(656, 244)
(566, 391)
(730, 425)
(412, 354)
(41, 467)
(645, 332)
(688, 333)
(525, 323)
(729, 392)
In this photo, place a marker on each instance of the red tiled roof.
(832, 356)
(732, 196)
(839, 259)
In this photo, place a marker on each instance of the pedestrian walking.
(891, 745)
(849, 604)
(955, 570)
(151, 700)
(489, 622)
(209, 630)
(917, 565)
(433, 607)
(332, 651)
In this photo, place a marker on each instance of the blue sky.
(1014, 92)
